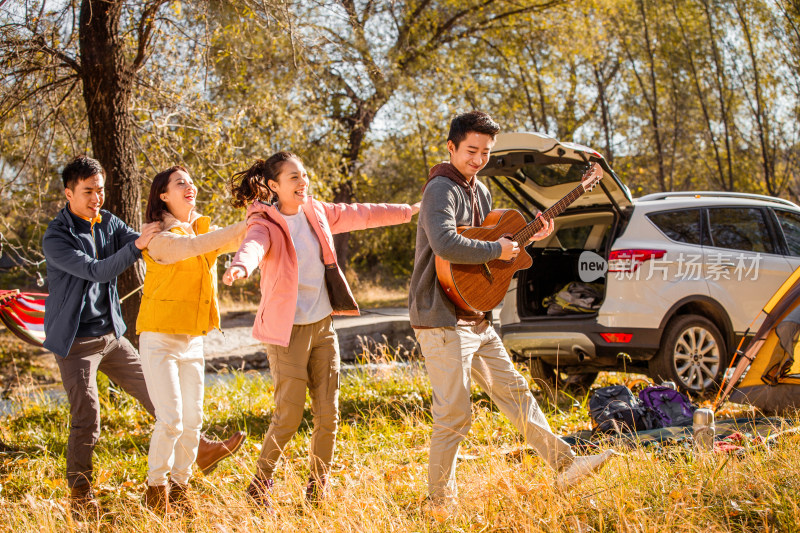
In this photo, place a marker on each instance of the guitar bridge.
(487, 273)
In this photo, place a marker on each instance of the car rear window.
(739, 228)
(790, 224)
(554, 174)
(683, 225)
(574, 237)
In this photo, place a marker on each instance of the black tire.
(548, 380)
(692, 354)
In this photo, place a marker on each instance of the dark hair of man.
(79, 169)
(476, 121)
(155, 205)
(250, 185)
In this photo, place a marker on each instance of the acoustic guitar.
(482, 287)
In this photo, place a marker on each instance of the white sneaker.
(581, 467)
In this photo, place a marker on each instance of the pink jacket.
(268, 245)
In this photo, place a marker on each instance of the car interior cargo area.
(552, 286)
(567, 275)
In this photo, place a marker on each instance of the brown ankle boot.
(155, 498)
(210, 453)
(315, 489)
(179, 498)
(259, 490)
(83, 503)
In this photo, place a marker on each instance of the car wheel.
(692, 354)
(549, 380)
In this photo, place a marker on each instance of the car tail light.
(617, 337)
(630, 260)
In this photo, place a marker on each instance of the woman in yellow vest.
(179, 307)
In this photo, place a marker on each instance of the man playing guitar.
(460, 345)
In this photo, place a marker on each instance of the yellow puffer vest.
(181, 297)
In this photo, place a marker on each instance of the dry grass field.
(379, 478)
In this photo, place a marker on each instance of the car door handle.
(725, 265)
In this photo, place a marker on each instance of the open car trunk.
(535, 172)
(557, 268)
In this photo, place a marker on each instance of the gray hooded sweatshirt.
(445, 206)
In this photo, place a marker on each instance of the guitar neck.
(524, 235)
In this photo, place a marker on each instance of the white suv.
(679, 276)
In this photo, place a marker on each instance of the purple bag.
(670, 406)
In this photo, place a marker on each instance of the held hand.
(510, 249)
(415, 208)
(232, 274)
(148, 232)
(545, 232)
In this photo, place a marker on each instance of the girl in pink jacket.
(289, 236)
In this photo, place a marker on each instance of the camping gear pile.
(615, 409)
(575, 297)
(660, 417)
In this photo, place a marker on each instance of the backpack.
(615, 409)
(670, 406)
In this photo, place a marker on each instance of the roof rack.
(720, 194)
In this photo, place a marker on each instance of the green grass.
(380, 470)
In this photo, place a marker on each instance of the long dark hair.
(251, 184)
(155, 205)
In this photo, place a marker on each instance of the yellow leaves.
(176, 7)
(102, 475)
(55, 483)
(676, 495)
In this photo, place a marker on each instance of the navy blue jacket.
(71, 268)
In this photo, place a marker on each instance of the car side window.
(683, 225)
(790, 224)
(740, 228)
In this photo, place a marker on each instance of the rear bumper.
(577, 341)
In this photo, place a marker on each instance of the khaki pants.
(311, 361)
(455, 356)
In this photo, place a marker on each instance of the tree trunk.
(653, 103)
(107, 86)
(760, 111)
(359, 124)
(605, 116)
(723, 92)
(343, 194)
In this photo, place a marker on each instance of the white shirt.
(313, 303)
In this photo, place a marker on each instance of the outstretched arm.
(351, 217)
(255, 245)
(167, 247)
(62, 254)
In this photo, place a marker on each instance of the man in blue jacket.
(86, 248)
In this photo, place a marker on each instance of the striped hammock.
(23, 314)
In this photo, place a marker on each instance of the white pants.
(174, 371)
(453, 358)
